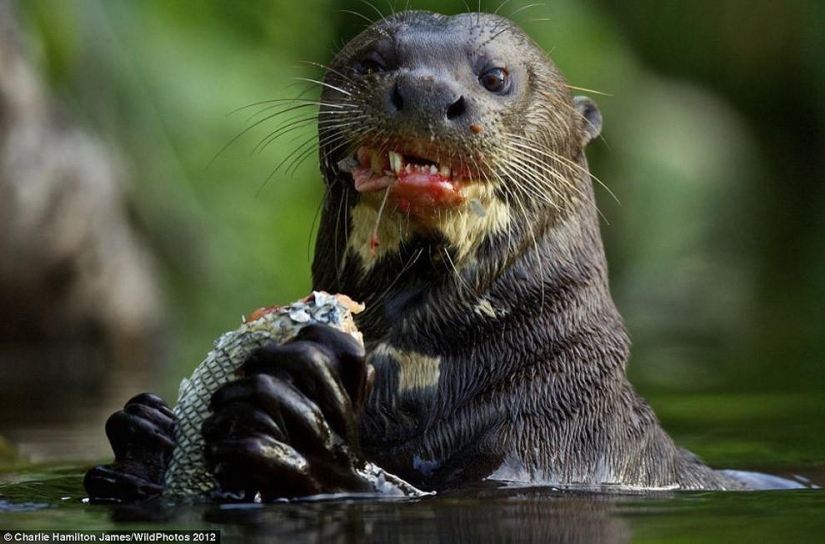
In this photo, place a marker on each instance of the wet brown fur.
(497, 346)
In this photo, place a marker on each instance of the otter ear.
(590, 118)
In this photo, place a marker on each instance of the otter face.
(447, 126)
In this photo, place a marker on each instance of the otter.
(460, 209)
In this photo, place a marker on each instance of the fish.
(187, 475)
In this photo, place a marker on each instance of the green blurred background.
(713, 144)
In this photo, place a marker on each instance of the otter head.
(449, 128)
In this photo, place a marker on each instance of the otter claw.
(239, 419)
(142, 439)
(260, 464)
(106, 484)
(151, 400)
(326, 365)
(287, 428)
(127, 430)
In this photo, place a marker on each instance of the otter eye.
(495, 80)
(372, 63)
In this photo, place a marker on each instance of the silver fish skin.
(187, 475)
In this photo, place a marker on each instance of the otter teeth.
(396, 162)
(399, 165)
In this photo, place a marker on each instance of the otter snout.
(426, 97)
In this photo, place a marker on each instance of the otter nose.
(426, 95)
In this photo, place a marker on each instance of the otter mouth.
(411, 181)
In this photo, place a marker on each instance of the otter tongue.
(367, 181)
(408, 175)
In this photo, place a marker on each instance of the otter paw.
(142, 439)
(111, 484)
(288, 427)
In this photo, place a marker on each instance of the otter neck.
(436, 335)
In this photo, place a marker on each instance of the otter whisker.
(240, 134)
(299, 154)
(467, 5)
(586, 90)
(325, 84)
(328, 135)
(504, 28)
(528, 176)
(499, 8)
(285, 111)
(524, 8)
(297, 103)
(571, 165)
(537, 172)
(535, 253)
(339, 225)
(327, 118)
(357, 14)
(446, 253)
(528, 150)
(329, 69)
(527, 191)
(252, 105)
(308, 148)
(296, 153)
(510, 226)
(326, 126)
(293, 107)
(338, 143)
(375, 9)
(270, 101)
(284, 129)
(374, 238)
(319, 209)
(515, 192)
(375, 301)
(584, 170)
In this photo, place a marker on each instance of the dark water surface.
(780, 434)
(52, 499)
(776, 434)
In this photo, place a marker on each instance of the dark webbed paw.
(142, 438)
(288, 427)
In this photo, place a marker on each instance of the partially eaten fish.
(187, 474)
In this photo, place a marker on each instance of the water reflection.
(54, 499)
(534, 515)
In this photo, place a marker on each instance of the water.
(779, 434)
(52, 499)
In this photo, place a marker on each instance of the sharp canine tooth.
(396, 162)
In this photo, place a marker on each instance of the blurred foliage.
(713, 144)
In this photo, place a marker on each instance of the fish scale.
(187, 475)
